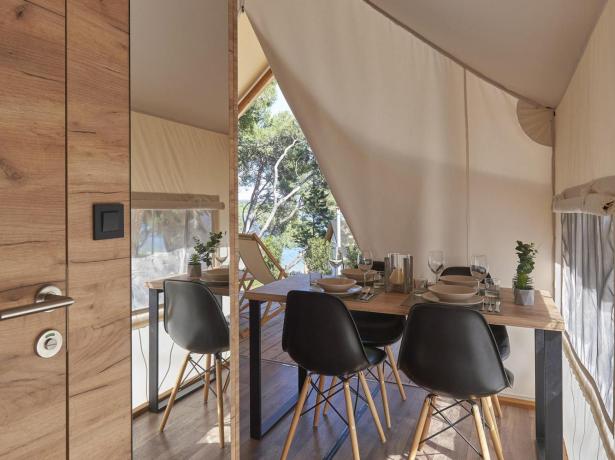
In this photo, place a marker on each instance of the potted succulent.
(205, 251)
(522, 282)
(194, 266)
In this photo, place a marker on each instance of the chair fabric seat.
(378, 329)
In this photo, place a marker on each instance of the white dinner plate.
(352, 291)
(431, 297)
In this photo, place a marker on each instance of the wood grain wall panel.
(32, 148)
(98, 271)
(32, 390)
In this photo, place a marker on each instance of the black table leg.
(154, 300)
(255, 370)
(549, 411)
(258, 426)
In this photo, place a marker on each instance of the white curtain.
(419, 153)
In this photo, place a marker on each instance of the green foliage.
(316, 255)
(526, 253)
(206, 250)
(350, 255)
(316, 212)
(275, 161)
(276, 245)
(195, 258)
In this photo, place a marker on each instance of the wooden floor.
(192, 429)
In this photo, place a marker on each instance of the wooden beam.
(154, 200)
(255, 90)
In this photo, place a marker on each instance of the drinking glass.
(435, 261)
(492, 291)
(221, 254)
(365, 261)
(336, 259)
(479, 267)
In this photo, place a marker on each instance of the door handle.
(47, 298)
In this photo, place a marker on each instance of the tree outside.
(284, 198)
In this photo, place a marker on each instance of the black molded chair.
(500, 333)
(382, 331)
(450, 352)
(194, 320)
(321, 337)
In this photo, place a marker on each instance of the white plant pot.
(194, 270)
(524, 296)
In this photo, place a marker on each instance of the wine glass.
(365, 260)
(435, 261)
(479, 267)
(336, 258)
(221, 254)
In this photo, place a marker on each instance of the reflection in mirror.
(180, 242)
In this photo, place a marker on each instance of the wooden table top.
(217, 289)
(542, 315)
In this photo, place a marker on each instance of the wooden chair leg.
(478, 422)
(418, 431)
(493, 428)
(372, 406)
(321, 386)
(220, 395)
(351, 424)
(427, 422)
(329, 395)
(207, 379)
(393, 363)
(296, 416)
(496, 404)
(385, 397)
(178, 382)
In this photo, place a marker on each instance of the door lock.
(49, 343)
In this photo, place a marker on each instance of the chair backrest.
(450, 351)
(251, 250)
(193, 317)
(320, 335)
(464, 271)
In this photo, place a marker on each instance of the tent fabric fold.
(414, 147)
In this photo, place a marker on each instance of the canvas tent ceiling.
(529, 47)
(178, 61)
(417, 151)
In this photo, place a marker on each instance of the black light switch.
(108, 221)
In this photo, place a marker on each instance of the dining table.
(543, 317)
(156, 289)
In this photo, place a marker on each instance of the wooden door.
(32, 224)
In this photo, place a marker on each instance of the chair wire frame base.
(450, 424)
(325, 397)
(207, 370)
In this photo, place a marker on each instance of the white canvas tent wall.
(419, 114)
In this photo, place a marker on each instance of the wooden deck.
(192, 430)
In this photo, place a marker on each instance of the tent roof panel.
(530, 47)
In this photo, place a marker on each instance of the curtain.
(588, 284)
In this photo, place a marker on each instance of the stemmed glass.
(365, 261)
(336, 258)
(221, 254)
(479, 267)
(435, 261)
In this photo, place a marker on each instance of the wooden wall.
(98, 170)
(31, 149)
